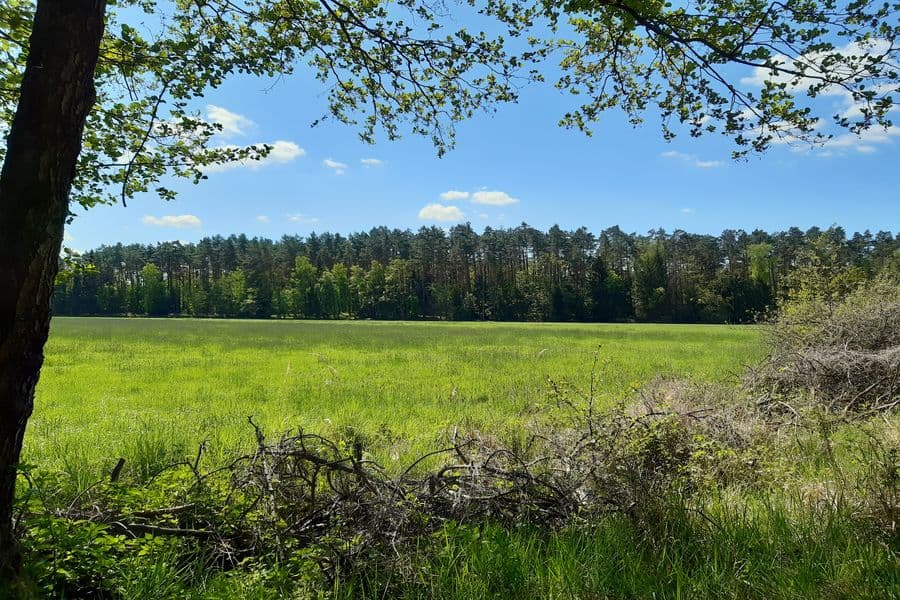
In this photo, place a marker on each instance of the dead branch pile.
(846, 357)
(304, 491)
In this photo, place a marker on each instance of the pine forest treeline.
(518, 274)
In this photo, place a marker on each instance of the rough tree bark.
(44, 141)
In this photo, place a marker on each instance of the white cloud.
(785, 134)
(177, 221)
(854, 109)
(693, 160)
(688, 211)
(708, 164)
(483, 216)
(493, 198)
(440, 212)
(263, 218)
(814, 62)
(371, 162)
(454, 195)
(866, 142)
(282, 152)
(338, 167)
(855, 57)
(301, 218)
(232, 123)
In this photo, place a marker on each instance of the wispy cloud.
(843, 144)
(232, 123)
(263, 219)
(371, 162)
(693, 160)
(302, 219)
(688, 211)
(865, 142)
(819, 64)
(493, 198)
(176, 221)
(454, 195)
(708, 164)
(857, 64)
(854, 109)
(339, 168)
(442, 213)
(282, 152)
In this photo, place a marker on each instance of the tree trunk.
(42, 150)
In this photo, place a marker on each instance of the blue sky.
(510, 166)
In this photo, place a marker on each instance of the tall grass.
(765, 550)
(152, 390)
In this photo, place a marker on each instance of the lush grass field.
(151, 390)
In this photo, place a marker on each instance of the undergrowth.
(649, 498)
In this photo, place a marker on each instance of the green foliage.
(82, 558)
(836, 354)
(156, 302)
(383, 74)
(679, 61)
(764, 550)
(762, 264)
(502, 274)
(398, 290)
(823, 275)
(303, 287)
(649, 287)
(608, 292)
(157, 59)
(861, 316)
(681, 528)
(735, 299)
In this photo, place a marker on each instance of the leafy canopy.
(754, 70)
(159, 58)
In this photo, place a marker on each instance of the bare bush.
(717, 411)
(845, 357)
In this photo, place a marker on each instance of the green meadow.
(152, 390)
